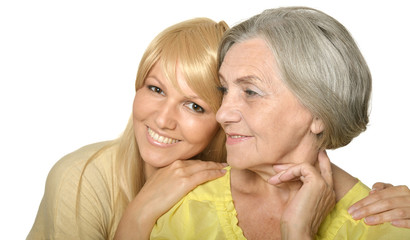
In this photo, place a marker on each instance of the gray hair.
(319, 62)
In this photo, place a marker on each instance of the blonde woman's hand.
(385, 203)
(312, 203)
(162, 191)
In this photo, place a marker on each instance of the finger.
(302, 172)
(401, 223)
(380, 206)
(380, 186)
(389, 216)
(189, 167)
(205, 176)
(388, 193)
(276, 178)
(205, 166)
(325, 168)
(203, 163)
(282, 167)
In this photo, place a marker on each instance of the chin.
(237, 163)
(156, 161)
(157, 164)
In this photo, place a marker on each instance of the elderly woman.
(294, 84)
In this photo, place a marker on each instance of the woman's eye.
(195, 107)
(223, 90)
(155, 89)
(249, 92)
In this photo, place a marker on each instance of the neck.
(247, 182)
(149, 170)
(254, 182)
(254, 179)
(342, 181)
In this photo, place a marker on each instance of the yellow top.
(56, 217)
(208, 212)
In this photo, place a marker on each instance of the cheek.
(276, 127)
(298, 119)
(201, 132)
(140, 105)
(287, 131)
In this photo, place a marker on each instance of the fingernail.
(276, 179)
(396, 223)
(223, 170)
(355, 215)
(272, 181)
(351, 210)
(369, 219)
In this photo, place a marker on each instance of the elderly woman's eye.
(250, 92)
(195, 107)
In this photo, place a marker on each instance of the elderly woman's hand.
(315, 199)
(385, 203)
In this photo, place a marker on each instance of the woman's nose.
(167, 116)
(229, 111)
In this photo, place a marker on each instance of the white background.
(67, 71)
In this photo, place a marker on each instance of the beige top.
(56, 217)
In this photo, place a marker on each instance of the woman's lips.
(236, 138)
(159, 139)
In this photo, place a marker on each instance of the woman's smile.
(159, 140)
(233, 138)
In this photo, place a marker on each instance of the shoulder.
(215, 190)
(207, 212)
(208, 194)
(340, 225)
(79, 157)
(85, 172)
(72, 165)
(57, 214)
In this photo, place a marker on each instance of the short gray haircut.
(319, 62)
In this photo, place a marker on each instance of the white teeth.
(236, 136)
(161, 139)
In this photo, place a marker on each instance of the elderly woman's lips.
(235, 138)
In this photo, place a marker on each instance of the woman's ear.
(317, 126)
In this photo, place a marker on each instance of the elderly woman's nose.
(228, 112)
(167, 116)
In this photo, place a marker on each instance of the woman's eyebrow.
(243, 79)
(248, 79)
(191, 97)
(153, 77)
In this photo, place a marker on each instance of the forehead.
(172, 77)
(249, 58)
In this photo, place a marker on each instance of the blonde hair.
(193, 45)
(319, 62)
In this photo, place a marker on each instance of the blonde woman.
(173, 119)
